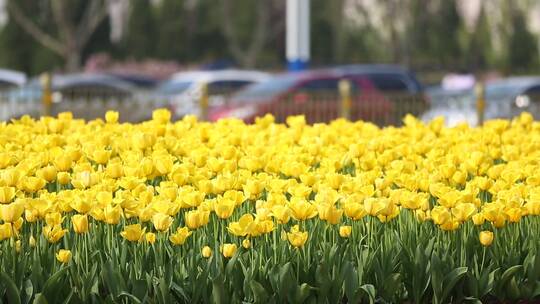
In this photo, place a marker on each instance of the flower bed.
(225, 212)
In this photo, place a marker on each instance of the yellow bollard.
(345, 95)
(46, 97)
(479, 90)
(203, 102)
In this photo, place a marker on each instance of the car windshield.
(502, 91)
(174, 87)
(266, 89)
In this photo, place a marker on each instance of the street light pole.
(298, 34)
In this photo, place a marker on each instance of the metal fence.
(138, 106)
(91, 104)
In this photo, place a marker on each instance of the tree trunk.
(73, 61)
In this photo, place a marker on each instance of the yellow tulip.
(281, 214)
(161, 221)
(533, 207)
(84, 179)
(329, 213)
(354, 210)
(478, 219)
(63, 162)
(63, 256)
(206, 252)
(80, 223)
(112, 117)
(11, 177)
(150, 237)
(163, 164)
(301, 209)
(196, 218)
(63, 178)
(462, 212)
(224, 208)
(374, 206)
(162, 116)
(6, 231)
(180, 236)
(246, 243)
(229, 250)
(112, 214)
(297, 238)
(47, 173)
(486, 238)
(6, 194)
(242, 227)
(53, 219)
(11, 212)
(440, 215)
(514, 214)
(133, 233)
(53, 233)
(345, 231)
(33, 184)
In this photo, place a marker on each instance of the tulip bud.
(486, 238)
(111, 117)
(80, 223)
(63, 256)
(229, 250)
(206, 252)
(345, 231)
(150, 237)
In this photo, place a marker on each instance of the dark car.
(397, 83)
(315, 94)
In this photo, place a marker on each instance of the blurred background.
(375, 60)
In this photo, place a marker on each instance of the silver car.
(505, 98)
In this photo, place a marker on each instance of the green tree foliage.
(522, 45)
(204, 31)
(141, 39)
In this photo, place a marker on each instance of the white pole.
(297, 34)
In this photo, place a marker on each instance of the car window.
(265, 90)
(92, 91)
(389, 82)
(328, 85)
(226, 86)
(174, 87)
(533, 93)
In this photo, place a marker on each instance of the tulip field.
(228, 212)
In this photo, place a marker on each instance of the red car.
(311, 93)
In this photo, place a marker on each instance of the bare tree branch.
(258, 37)
(228, 30)
(33, 30)
(96, 12)
(62, 18)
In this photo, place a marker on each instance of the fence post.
(203, 102)
(345, 96)
(480, 102)
(46, 97)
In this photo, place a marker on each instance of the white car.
(183, 90)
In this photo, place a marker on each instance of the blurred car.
(10, 79)
(183, 90)
(397, 83)
(505, 98)
(87, 96)
(315, 94)
(137, 80)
